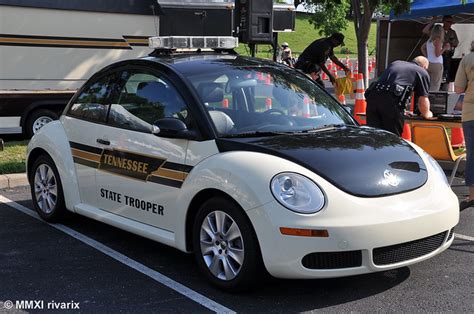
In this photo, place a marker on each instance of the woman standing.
(433, 49)
(465, 83)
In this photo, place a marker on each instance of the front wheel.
(225, 245)
(46, 190)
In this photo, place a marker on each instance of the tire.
(46, 190)
(232, 264)
(37, 119)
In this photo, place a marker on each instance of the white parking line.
(170, 283)
(463, 237)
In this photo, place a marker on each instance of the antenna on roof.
(155, 19)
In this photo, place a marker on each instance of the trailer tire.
(37, 119)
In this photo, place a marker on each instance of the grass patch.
(305, 33)
(12, 159)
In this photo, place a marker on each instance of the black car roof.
(188, 63)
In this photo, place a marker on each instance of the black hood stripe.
(364, 162)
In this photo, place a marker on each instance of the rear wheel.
(46, 190)
(225, 245)
(37, 119)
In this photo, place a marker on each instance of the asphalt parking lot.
(100, 268)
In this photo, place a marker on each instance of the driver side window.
(144, 99)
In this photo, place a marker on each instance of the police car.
(244, 162)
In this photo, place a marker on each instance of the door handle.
(103, 142)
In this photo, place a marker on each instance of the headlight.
(437, 168)
(297, 193)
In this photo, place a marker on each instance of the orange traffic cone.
(268, 103)
(353, 77)
(457, 137)
(360, 103)
(324, 77)
(334, 71)
(306, 110)
(406, 134)
(329, 65)
(268, 79)
(225, 103)
(342, 99)
(355, 73)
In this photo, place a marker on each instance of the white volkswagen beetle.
(244, 162)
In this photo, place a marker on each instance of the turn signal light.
(304, 232)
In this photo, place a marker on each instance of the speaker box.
(255, 21)
(196, 22)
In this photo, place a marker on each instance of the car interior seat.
(211, 92)
(222, 121)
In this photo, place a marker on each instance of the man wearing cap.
(318, 52)
(286, 56)
(450, 37)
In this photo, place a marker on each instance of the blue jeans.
(468, 129)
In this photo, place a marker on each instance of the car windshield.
(246, 100)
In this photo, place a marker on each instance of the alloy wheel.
(222, 245)
(45, 188)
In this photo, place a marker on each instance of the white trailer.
(49, 48)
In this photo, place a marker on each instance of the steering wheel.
(270, 111)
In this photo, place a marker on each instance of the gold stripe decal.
(126, 42)
(127, 164)
(170, 174)
(85, 155)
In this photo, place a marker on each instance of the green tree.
(328, 17)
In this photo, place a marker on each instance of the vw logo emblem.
(391, 178)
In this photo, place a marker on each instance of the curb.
(10, 181)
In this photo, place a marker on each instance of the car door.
(140, 173)
(82, 122)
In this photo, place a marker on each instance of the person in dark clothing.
(388, 97)
(318, 52)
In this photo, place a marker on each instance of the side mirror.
(173, 128)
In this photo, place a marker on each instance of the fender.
(232, 173)
(52, 138)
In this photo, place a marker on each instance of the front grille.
(332, 260)
(408, 250)
(451, 233)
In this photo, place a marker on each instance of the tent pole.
(388, 43)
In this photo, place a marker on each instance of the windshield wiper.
(256, 134)
(326, 127)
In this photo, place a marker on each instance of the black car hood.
(360, 161)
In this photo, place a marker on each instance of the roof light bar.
(193, 42)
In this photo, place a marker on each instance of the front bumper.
(383, 233)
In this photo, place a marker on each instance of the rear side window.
(92, 104)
